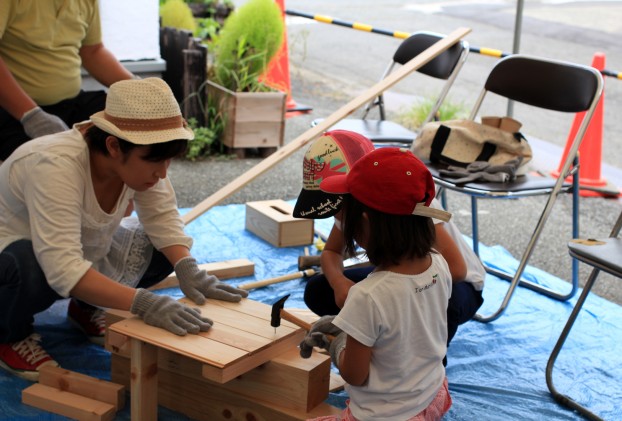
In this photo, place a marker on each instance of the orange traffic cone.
(277, 73)
(590, 151)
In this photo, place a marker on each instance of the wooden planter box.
(252, 119)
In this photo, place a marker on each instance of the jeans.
(463, 302)
(24, 291)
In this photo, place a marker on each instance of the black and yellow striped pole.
(491, 52)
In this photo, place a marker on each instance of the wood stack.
(239, 369)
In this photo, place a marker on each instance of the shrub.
(177, 14)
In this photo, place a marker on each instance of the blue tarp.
(495, 370)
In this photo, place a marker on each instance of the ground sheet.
(495, 370)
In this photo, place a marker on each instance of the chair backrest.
(545, 83)
(445, 66)
(441, 66)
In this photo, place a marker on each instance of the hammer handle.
(299, 322)
(283, 278)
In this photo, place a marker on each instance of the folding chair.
(542, 84)
(603, 255)
(445, 66)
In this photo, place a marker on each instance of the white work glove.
(198, 285)
(163, 311)
(37, 123)
(317, 337)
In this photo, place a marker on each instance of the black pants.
(24, 291)
(71, 111)
(463, 303)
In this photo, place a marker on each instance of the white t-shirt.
(475, 270)
(404, 319)
(47, 196)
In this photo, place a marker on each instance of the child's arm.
(446, 246)
(331, 260)
(354, 362)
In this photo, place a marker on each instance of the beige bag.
(461, 142)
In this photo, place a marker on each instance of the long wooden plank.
(283, 152)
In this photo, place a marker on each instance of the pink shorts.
(434, 412)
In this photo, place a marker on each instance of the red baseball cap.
(333, 153)
(390, 180)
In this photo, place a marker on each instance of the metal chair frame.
(445, 66)
(606, 257)
(553, 85)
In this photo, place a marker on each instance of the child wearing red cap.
(390, 337)
(335, 153)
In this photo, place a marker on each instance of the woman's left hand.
(198, 285)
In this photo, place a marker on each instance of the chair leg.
(475, 225)
(516, 278)
(560, 398)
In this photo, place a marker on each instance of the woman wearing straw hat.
(62, 231)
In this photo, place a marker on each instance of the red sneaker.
(90, 320)
(25, 358)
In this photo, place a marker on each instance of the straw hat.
(143, 112)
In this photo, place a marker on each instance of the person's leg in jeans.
(463, 305)
(158, 269)
(24, 292)
(319, 295)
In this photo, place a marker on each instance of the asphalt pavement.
(331, 65)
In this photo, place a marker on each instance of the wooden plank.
(219, 347)
(144, 381)
(83, 385)
(223, 270)
(67, 404)
(417, 62)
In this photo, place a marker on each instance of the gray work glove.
(165, 312)
(198, 285)
(484, 171)
(37, 123)
(317, 337)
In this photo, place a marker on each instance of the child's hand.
(163, 311)
(317, 336)
(198, 285)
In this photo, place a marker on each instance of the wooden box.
(252, 119)
(273, 221)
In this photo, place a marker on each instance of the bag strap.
(440, 140)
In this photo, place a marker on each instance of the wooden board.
(240, 339)
(417, 62)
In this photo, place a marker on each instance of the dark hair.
(392, 238)
(96, 140)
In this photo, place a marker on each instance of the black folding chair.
(603, 255)
(445, 66)
(542, 84)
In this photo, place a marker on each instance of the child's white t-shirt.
(404, 319)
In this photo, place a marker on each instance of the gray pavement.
(330, 65)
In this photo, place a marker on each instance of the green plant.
(248, 40)
(414, 116)
(177, 14)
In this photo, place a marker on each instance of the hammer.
(278, 313)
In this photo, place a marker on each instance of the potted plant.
(253, 113)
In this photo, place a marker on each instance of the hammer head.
(275, 316)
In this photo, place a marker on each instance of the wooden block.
(273, 221)
(203, 400)
(225, 269)
(67, 404)
(81, 384)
